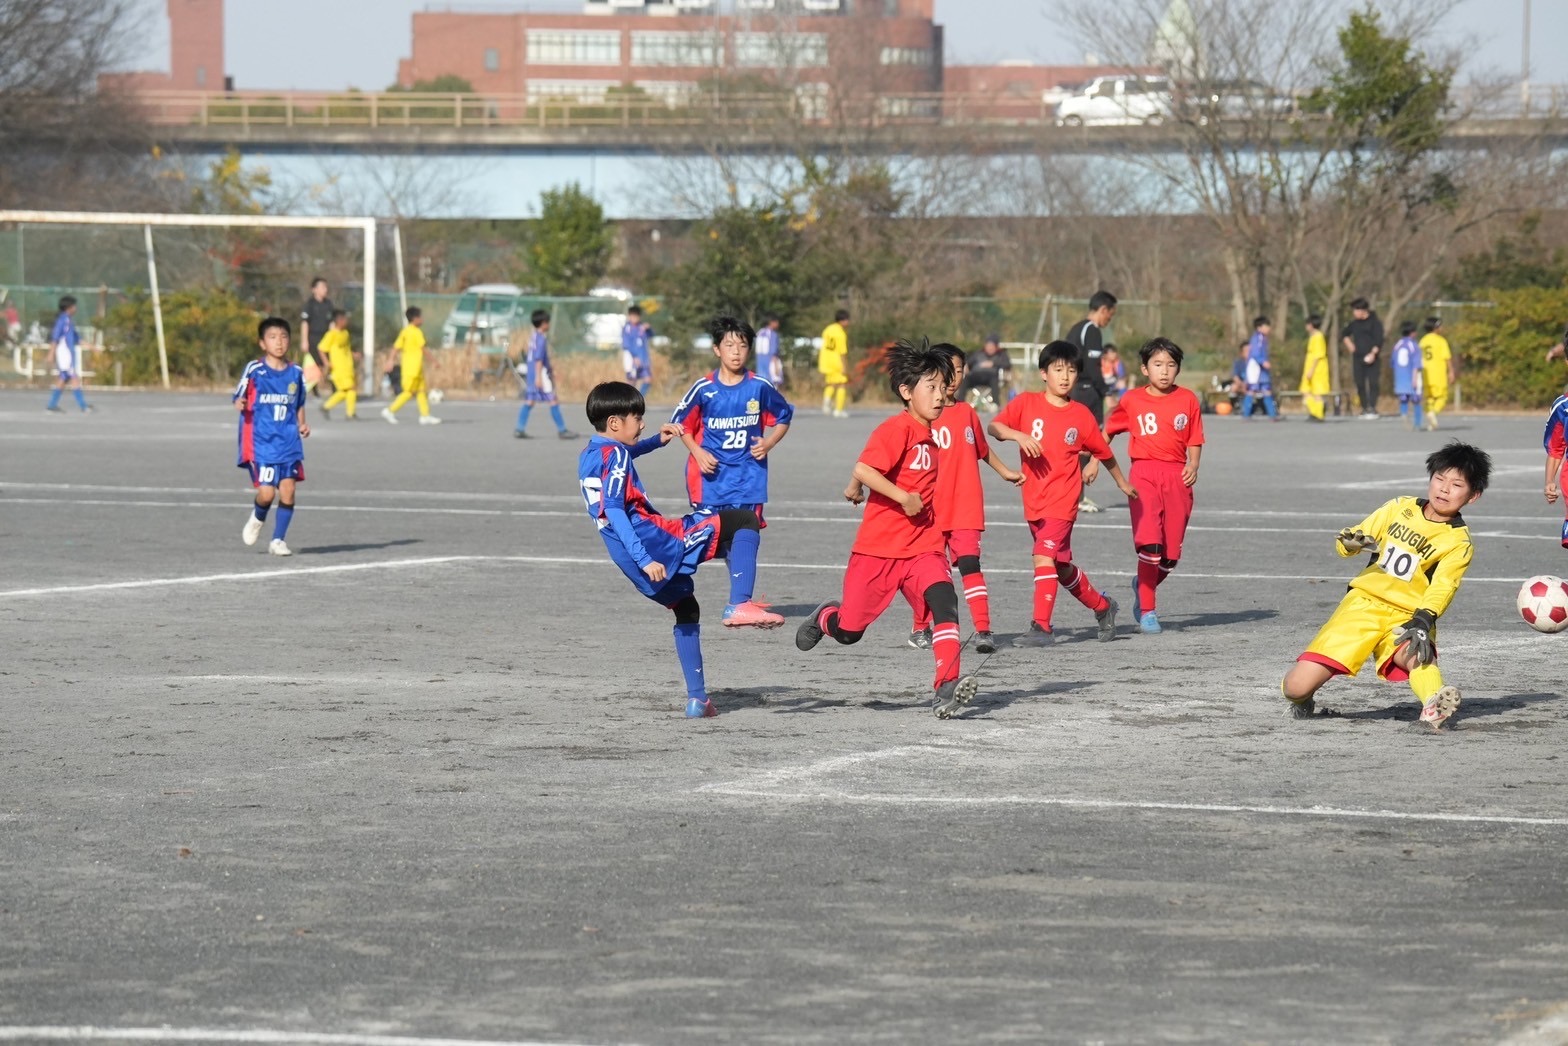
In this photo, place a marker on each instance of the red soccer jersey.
(902, 450)
(960, 448)
(1053, 483)
(1161, 427)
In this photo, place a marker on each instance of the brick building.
(195, 52)
(667, 47)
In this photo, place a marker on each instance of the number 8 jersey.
(1418, 564)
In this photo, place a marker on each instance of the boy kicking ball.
(1419, 551)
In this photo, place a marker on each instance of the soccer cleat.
(700, 708)
(278, 548)
(1036, 636)
(985, 643)
(809, 634)
(1302, 709)
(429, 419)
(55, 410)
(1431, 423)
(920, 639)
(1137, 600)
(1440, 707)
(1087, 506)
(566, 434)
(750, 615)
(841, 413)
(1148, 624)
(89, 409)
(325, 414)
(252, 530)
(955, 694)
(1106, 619)
(387, 416)
(520, 434)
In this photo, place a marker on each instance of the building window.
(574, 47)
(906, 56)
(492, 60)
(781, 50)
(582, 92)
(673, 93)
(697, 50)
(201, 76)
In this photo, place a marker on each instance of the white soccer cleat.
(387, 416)
(841, 413)
(252, 530)
(278, 548)
(1440, 707)
(429, 419)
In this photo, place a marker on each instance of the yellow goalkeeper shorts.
(1359, 628)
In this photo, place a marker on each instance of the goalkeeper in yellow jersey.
(1418, 552)
(409, 352)
(336, 349)
(832, 364)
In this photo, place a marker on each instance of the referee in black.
(1091, 389)
(314, 321)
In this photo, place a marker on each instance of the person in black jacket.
(1362, 338)
(1091, 389)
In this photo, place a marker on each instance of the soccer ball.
(436, 395)
(1543, 603)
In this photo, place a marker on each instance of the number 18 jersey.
(902, 450)
(1160, 428)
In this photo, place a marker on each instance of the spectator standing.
(1091, 389)
(1362, 339)
(315, 319)
(989, 369)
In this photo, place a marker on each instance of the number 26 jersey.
(902, 450)
(1418, 564)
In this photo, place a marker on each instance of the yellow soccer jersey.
(339, 354)
(1435, 355)
(412, 344)
(1317, 352)
(835, 346)
(1418, 564)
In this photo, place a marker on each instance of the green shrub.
(1502, 351)
(210, 334)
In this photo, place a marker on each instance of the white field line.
(90, 1033)
(595, 561)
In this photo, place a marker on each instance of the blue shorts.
(701, 534)
(272, 475)
(66, 375)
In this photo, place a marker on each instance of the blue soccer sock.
(280, 529)
(688, 647)
(555, 416)
(743, 565)
(643, 387)
(261, 511)
(54, 398)
(1269, 406)
(1246, 407)
(1415, 406)
(522, 417)
(81, 401)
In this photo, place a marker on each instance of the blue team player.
(730, 420)
(1556, 443)
(769, 363)
(271, 401)
(1260, 372)
(636, 358)
(539, 384)
(660, 554)
(67, 356)
(1408, 361)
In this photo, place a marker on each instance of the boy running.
(1164, 422)
(960, 442)
(271, 400)
(1051, 430)
(730, 420)
(1407, 375)
(539, 384)
(408, 352)
(339, 354)
(1437, 370)
(67, 357)
(1420, 549)
(636, 356)
(898, 547)
(659, 555)
(1556, 443)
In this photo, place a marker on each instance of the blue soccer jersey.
(728, 419)
(634, 533)
(66, 343)
(635, 358)
(269, 423)
(541, 379)
(1407, 366)
(1556, 438)
(769, 365)
(1258, 353)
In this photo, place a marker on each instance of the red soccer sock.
(979, 601)
(1079, 585)
(945, 648)
(1148, 579)
(1165, 572)
(1044, 595)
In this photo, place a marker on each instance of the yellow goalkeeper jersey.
(338, 352)
(1418, 564)
(411, 341)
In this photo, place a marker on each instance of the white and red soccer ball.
(1543, 603)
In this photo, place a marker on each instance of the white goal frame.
(222, 221)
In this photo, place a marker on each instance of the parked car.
(487, 314)
(1221, 100)
(1117, 100)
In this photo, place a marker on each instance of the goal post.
(222, 221)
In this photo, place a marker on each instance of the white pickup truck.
(1117, 100)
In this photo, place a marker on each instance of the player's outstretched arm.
(1352, 541)
(1002, 469)
(1028, 446)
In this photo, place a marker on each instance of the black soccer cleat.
(567, 434)
(1036, 636)
(1106, 619)
(954, 695)
(809, 634)
(1302, 709)
(920, 639)
(985, 643)
(520, 434)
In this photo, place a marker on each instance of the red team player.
(1051, 429)
(898, 547)
(1165, 426)
(960, 502)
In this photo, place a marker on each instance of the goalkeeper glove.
(1417, 634)
(1355, 541)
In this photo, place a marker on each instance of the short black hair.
(1260, 321)
(337, 313)
(720, 326)
(315, 280)
(994, 339)
(1473, 463)
(1164, 345)
(539, 318)
(1315, 321)
(841, 315)
(66, 302)
(271, 322)
(1433, 322)
(613, 399)
(769, 317)
(1407, 328)
(1102, 300)
(952, 352)
(634, 310)
(412, 313)
(907, 363)
(1059, 350)
(1360, 303)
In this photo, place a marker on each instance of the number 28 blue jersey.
(269, 424)
(727, 419)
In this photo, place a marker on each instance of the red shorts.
(1163, 507)
(963, 543)
(1053, 538)
(871, 582)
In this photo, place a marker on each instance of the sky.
(334, 44)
